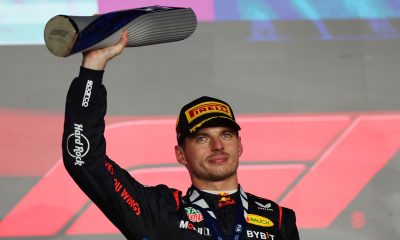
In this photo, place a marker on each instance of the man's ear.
(180, 155)
(240, 146)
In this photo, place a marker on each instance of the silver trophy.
(65, 35)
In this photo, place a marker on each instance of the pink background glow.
(204, 9)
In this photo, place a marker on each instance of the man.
(209, 146)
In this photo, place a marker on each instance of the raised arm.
(127, 203)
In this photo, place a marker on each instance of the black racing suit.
(141, 212)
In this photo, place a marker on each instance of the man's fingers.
(123, 41)
(120, 46)
(124, 37)
(97, 59)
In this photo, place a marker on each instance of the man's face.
(211, 154)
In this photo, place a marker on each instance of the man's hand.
(97, 59)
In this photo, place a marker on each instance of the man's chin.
(219, 176)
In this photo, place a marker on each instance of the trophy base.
(60, 35)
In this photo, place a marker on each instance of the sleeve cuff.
(86, 73)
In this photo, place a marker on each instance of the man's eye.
(201, 139)
(227, 135)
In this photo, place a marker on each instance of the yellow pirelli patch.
(205, 108)
(259, 220)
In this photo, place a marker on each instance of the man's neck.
(229, 192)
(226, 185)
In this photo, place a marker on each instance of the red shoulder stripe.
(176, 197)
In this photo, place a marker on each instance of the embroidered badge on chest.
(225, 200)
(259, 220)
(194, 215)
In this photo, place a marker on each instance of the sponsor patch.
(190, 226)
(88, 92)
(259, 220)
(225, 200)
(77, 144)
(205, 108)
(265, 207)
(194, 215)
(238, 228)
(260, 235)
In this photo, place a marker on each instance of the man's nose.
(216, 144)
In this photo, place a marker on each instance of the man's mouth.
(218, 159)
